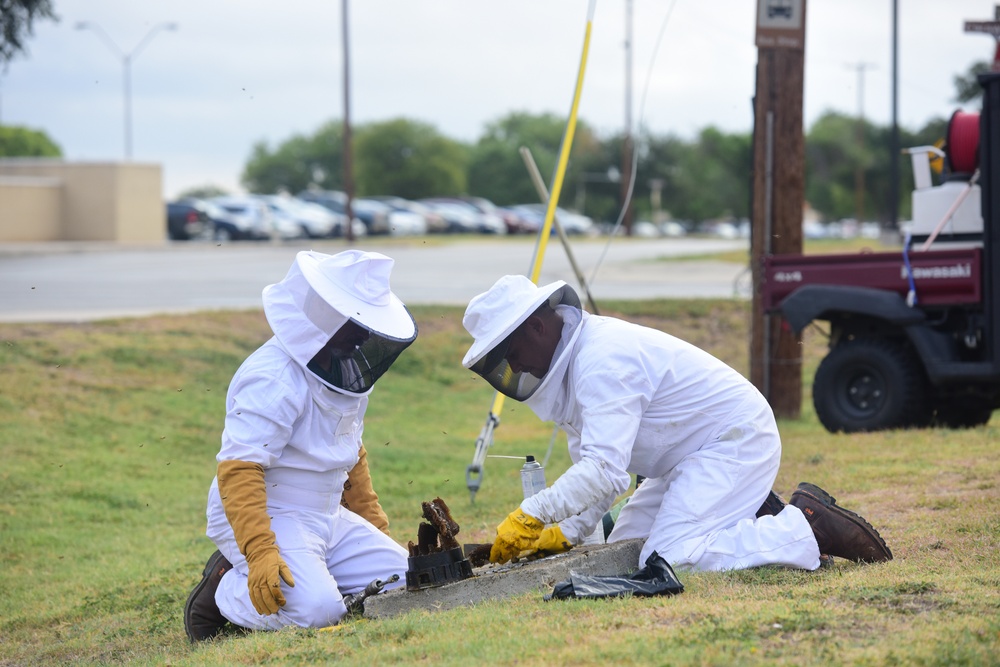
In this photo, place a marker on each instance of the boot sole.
(824, 498)
(210, 567)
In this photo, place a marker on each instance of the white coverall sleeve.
(576, 491)
(577, 528)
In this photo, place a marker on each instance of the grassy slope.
(109, 435)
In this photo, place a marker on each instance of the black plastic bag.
(656, 578)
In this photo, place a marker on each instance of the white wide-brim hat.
(322, 292)
(497, 312)
(356, 284)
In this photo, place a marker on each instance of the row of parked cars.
(323, 214)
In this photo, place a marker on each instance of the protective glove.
(517, 533)
(552, 541)
(244, 498)
(359, 495)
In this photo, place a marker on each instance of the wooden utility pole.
(778, 193)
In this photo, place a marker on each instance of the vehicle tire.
(870, 384)
(222, 234)
(968, 415)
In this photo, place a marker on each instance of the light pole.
(126, 58)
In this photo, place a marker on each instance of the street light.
(126, 59)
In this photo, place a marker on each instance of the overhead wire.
(635, 150)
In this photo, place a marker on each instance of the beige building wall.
(30, 209)
(99, 201)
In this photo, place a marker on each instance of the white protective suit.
(306, 436)
(634, 400)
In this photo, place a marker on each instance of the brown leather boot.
(202, 618)
(772, 505)
(839, 532)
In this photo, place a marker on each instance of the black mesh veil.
(356, 371)
(493, 367)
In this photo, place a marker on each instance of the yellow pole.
(550, 211)
(567, 143)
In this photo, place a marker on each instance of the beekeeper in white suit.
(634, 400)
(292, 510)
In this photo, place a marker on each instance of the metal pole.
(347, 162)
(768, 234)
(627, 144)
(126, 58)
(127, 87)
(894, 139)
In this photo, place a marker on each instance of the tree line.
(705, 177)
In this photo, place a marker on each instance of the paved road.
(66, 282)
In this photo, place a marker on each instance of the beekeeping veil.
(493, 316)
(323, 294)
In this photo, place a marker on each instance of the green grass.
(109, 432)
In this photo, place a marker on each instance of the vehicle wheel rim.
(864, 392)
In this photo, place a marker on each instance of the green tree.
(834, 151)
(298, 163)
(18, 141)
(832, 154)
(16, 24)
(408, 159)
(497, 170)
(202, 192)
(705, 179)
(967, 88)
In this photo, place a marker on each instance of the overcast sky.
(239, 71)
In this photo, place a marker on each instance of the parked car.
(672, 229)
(433, 221)
(458, 219)
(248, 218)
(374, 217)
(398, 223)
(530, 219)
(465, 217)
(187, 219)
(514, 223)
(572, 223)
(312, 220)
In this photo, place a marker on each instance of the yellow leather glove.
(244, 497)
(359, 495)
(517, 533)
(552, 541)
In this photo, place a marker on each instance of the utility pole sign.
(778, 192)
(781, 24)
(989, 28)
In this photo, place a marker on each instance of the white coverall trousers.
(331, 552)
(701, 515)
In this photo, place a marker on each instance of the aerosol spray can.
(532, 476)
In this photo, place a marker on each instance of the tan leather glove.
(359, 494)
(244, 497)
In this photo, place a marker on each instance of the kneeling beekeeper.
(292, 510)
(636, 400)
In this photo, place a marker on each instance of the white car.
(310, 220)
(250, 215)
